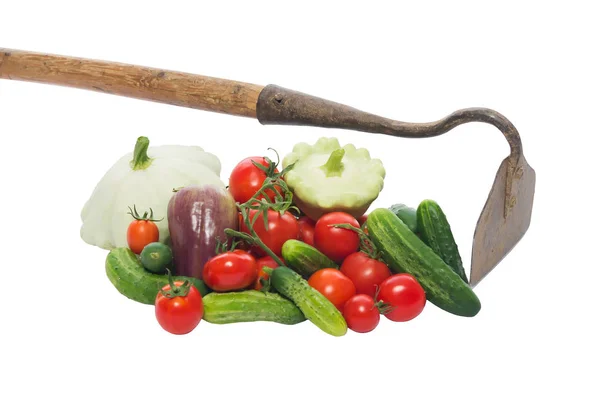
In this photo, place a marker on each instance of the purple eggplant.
(198, 217)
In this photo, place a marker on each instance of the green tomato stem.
(334, 165)
(383, 308)
(254, 238)
(174, 290)
(134, 213)
(141, 160)
(366, 244)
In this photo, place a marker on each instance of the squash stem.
(140, 154)
(334, 165)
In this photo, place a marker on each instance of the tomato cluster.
(243, 269)
(362, 289)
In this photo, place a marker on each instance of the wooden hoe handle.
(176, 88)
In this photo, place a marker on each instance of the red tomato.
(361, 313)
(229, 271)
(336, 243)
(246, 179)
(179, 311)
(264, 262)
(334, 285)
(365, 272)
(404, 293)
(141, 231)
(281, 229)
(140, 234)
(307, 230)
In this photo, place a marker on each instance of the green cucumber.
(436, 233)
(132, 280)
(404, 252)
(407, 214)
(304, 258)
(315, 307)
(156, 257)
(249, 306)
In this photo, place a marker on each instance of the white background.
(67, 333)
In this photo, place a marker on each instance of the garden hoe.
(506, 214)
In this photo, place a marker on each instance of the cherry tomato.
(336, 243)
(229, 271)
(307, 230)
(361, 313)
(141, 231)
(334, 285)
(246, 179)
(264, 262)
(404, 293)
(178, 310)
(281, 229)
(365, 272)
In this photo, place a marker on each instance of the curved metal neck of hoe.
(281, 106)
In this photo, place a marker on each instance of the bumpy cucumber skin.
(436, 233)
(132, 280)
(250, 306)
(304, 258)
(315, 307)
(404, 252)
(407, 214)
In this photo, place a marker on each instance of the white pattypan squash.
(145, 179)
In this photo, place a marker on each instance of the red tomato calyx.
(265, 285)
(265, 282)
(366, 244)
(225, 247)
(383, 307)
(271, 169)
(146, 217)
(174, 290)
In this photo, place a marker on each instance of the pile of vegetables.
(285, 246)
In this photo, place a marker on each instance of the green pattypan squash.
(326, 177)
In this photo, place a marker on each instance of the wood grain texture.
(158, 85)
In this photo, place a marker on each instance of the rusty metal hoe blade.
(505, 217)
(507, 212)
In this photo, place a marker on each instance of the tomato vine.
(261, 202)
